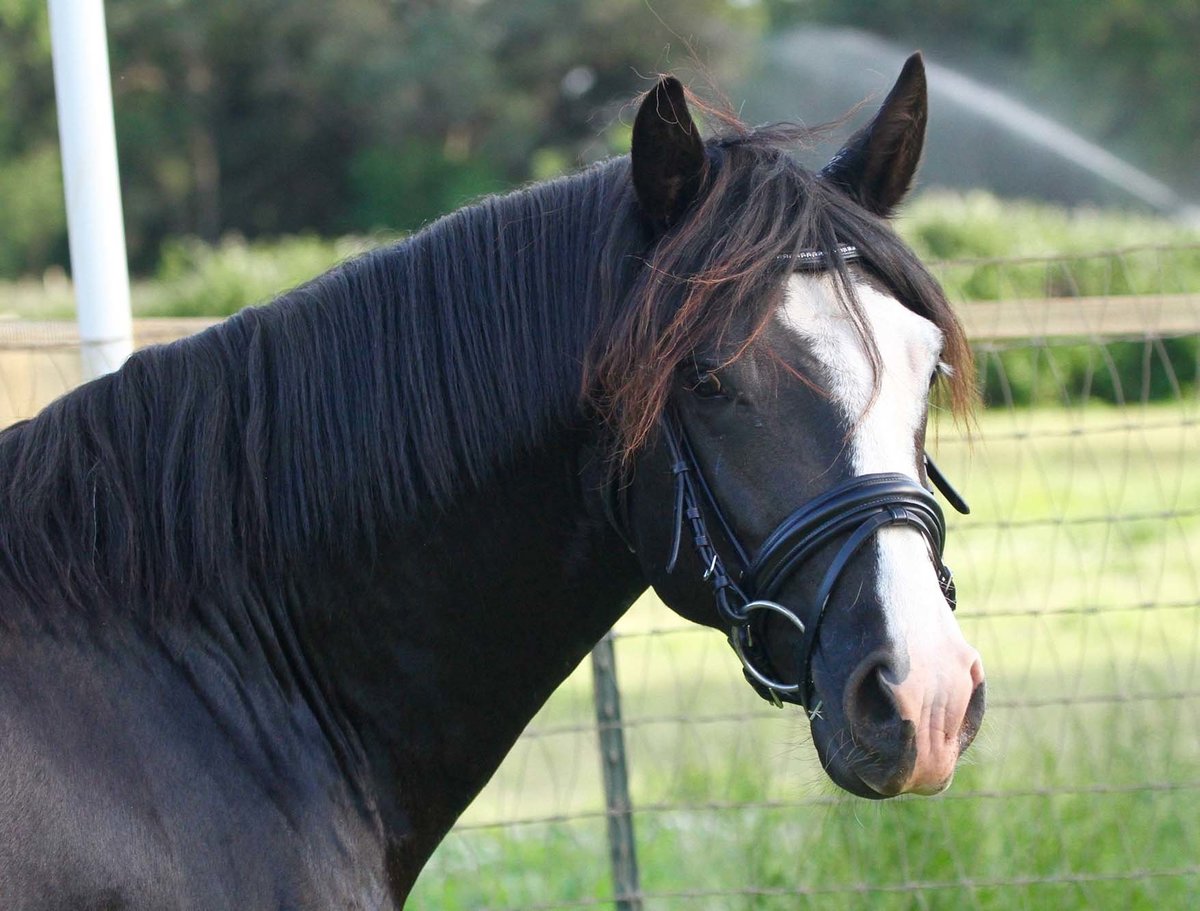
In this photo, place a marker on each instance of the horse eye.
(707, 385)
(942, 369)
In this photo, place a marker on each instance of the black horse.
(276, 600)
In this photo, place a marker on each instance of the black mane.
(387, 387)
(372, 394)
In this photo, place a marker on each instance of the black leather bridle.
(851, 512)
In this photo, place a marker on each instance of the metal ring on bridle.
(736, 640)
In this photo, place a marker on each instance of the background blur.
(265, 118)
(261, 141)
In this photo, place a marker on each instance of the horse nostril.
(870, 701)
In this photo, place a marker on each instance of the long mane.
(368, 397)
(383, 390)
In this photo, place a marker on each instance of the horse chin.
(854, 771)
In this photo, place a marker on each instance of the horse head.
(777, 489)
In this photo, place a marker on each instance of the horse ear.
(877, 164)
(667, 154)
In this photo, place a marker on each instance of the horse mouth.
(878, 775)
(856, 770)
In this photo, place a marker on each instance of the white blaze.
(885, 419)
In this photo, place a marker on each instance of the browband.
(817, 260)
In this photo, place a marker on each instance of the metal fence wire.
(1079, 582)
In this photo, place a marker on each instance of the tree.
(277, 116)
(33, 227)
(1124, 72)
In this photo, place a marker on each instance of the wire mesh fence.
(1079, 582)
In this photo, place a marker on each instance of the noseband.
(851, 513)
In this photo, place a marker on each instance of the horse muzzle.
(903, 720)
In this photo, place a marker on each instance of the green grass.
(1082, 791)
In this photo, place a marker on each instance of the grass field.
(1079, 580)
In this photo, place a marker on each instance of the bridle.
(851, 513)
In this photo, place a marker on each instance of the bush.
(984, 248)
(198, 279)
(976, 242)
(1067, 374)
(33, 230)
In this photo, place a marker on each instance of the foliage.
(33, 227)
(1066, 373)
(948, 226)
(199, 279)
(418, 181)
(984, 248)
(977, 239)
(272, 117)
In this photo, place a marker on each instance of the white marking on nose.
(885, 417)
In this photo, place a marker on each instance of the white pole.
(79, 45)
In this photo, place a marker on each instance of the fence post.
(622, 848)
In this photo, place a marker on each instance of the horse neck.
(299, 432)
(471, 589)
(439, 651)
(430, 569)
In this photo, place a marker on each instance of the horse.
(276, 599)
